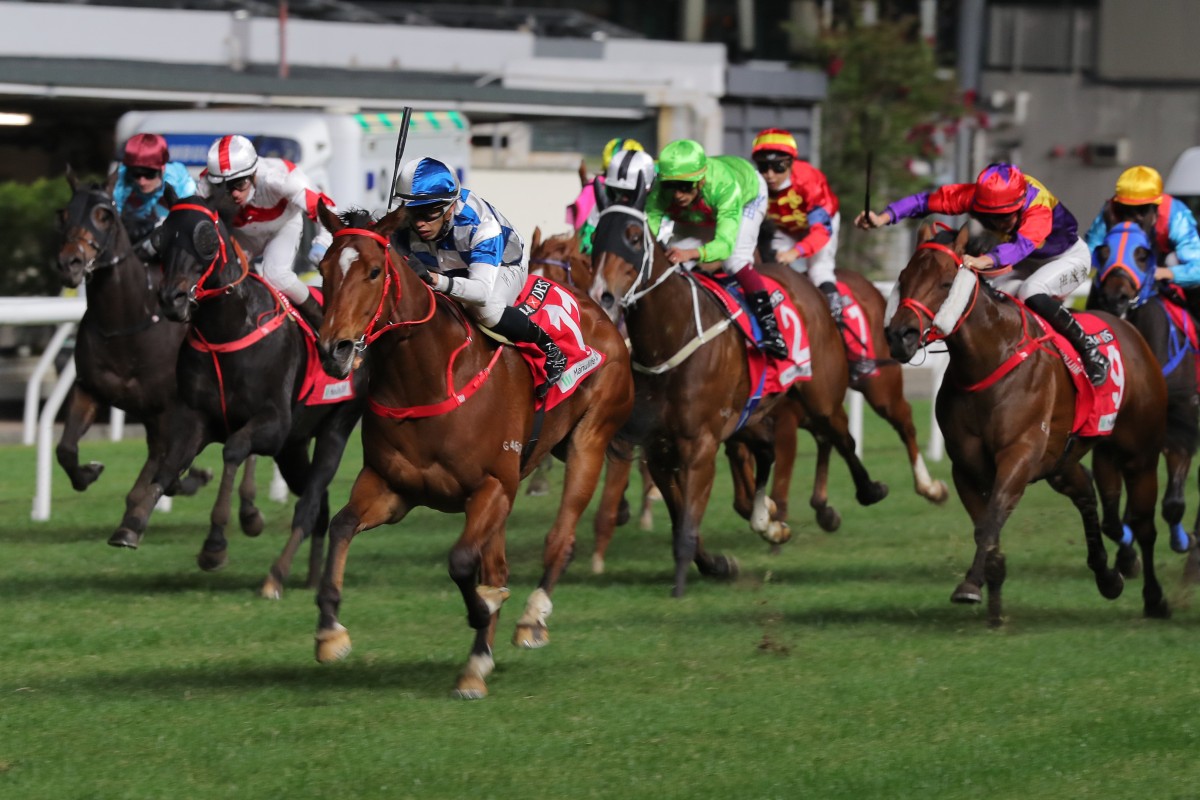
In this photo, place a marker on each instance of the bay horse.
(1007, 409)
(1125, 287)
(240, 374)
(452, 425)
(125, 350)
(693, 383)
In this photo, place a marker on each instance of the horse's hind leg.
(1075, 483)
(763, 521)
(1107, 478)
(1141, 486)
(616, 479)
(185, 438)
(479, 569)
(650, 494)
(828, 517)
(214, 554)
(249, 517)
(885, 394)
(81, 413)
(539, 481)
(295, 468)
(835, 426)
(1179, 463)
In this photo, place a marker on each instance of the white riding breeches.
(1057, 277)
(820, 267)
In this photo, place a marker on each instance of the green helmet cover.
(682, 160)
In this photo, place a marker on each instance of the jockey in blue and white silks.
(1167, 221)
(463, 247)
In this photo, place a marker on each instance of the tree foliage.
(29, 236)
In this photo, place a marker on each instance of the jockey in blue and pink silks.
(583, 214)
(1041, 259)
(142, 179)
(1168, 223)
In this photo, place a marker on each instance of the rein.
(198, 292)
(934, 333)
(456, 397)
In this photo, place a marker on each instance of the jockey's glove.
(317, 252)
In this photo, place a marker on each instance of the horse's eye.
(375, 273)
(946, 285)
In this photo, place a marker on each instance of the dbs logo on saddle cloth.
(556, 311)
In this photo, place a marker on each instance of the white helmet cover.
(230, 158)
(625, 168)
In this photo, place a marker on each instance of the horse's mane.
(355, 217)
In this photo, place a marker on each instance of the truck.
(349, 156)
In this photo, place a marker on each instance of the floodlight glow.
(15, 119)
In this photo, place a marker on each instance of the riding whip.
(867, 200)
(400, 141)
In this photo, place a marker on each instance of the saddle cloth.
(1096, 407)
(856, 332)
(556, 311)
(1183, 326)
(770, 375)
(319, 388)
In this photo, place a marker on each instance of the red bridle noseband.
(390, 277)
(921, 310)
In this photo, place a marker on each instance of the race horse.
(1008, 411)
(692, 376)
(242, 374)
(452, 424)
(125, 350)
(1125, 287)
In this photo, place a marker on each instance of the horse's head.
(560, 259)
(195, 247)
(623, 254)
(93, 236)
(362, 279)
(1125, 268)
(931, 294)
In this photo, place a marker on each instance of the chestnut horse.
(452, 425)
(125, 351)
(692, 382)
(1125, 287)
(1007, 407)
(240, 375)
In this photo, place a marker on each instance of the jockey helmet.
(774, 143)
(682, 160)
(230, 158)
(1139, 186)
(615, 146)
(426, 182)
(627, 167)
(146, 150)
(999, 189)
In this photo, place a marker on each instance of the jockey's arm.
(819, 232)
(1186, 241)
(303, 196)
(729, 219)
(1035, 227)
(1096, 233)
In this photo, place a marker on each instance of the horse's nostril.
(607, 300)
(341, 351)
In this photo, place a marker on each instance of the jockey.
(271, 197)
(1167, 221)
(142, 177)
(1041, 256)
(726, 195)
(805, 213)
(585, 223)
(463, 247)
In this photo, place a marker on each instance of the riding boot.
(516, 327)
(1061, 319)
(837, 301)
(312, 312)
(772, 341)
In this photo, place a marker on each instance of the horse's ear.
(536, 241)
(332, 222)
(169, 197)
(391, 221)
(960, 241)
(600, 193)
(72, 180)
(111, 183)
(583, 173)
(925, 233)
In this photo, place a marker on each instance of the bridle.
(634, 292)
(936, 330)
(391, 279)
(198, 293)
(89, 234)
(1121, 256)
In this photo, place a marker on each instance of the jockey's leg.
(1055, 279)
(1061, 319)
(760, 304)
(516, 327)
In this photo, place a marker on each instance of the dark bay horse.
(240, 374)
(1125, 287)
(452, 425)
(125, 350)
(693, 383)
(1007, 409)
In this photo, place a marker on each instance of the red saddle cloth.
(1181, 320)
(556, 311)
(772, 374)
(856, 331)
(1096, 407)
(319, 388)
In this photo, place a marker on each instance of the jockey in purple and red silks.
(1041, 259)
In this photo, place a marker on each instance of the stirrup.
(1096, 367)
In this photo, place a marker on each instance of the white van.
(1183, 181)
(350, 157)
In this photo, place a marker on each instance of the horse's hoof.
(727, 568)
(937, 493)
(212, 560)
(86, 476)
(333, 644)
(194, 481)
(124, 537)
(623, 512)
(271, 589)
(251, 522)
(872, 493)
(966, 593)
(1159, 610)
(1110, 584)
(646, 520)
(470, 687)
(531, 637)
(538, 486)
(653, 494)
(1181, 540)
(597, 564)
(777, 532)
(829, 519)
(1128, 563)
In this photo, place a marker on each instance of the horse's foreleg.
(650, 494)
(250, 519)
(372, 503)
(1141, 486)
(297, 472)
(741, 471)
(763, 520)
(479, 569)
(686, 487)
(836, 428)
(885, 394)
(616, 479)
(214, 554)
(827, 516)
(1107, 480)
(1075, 483)
(539, 481)
(81, 413)
(784, 460)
